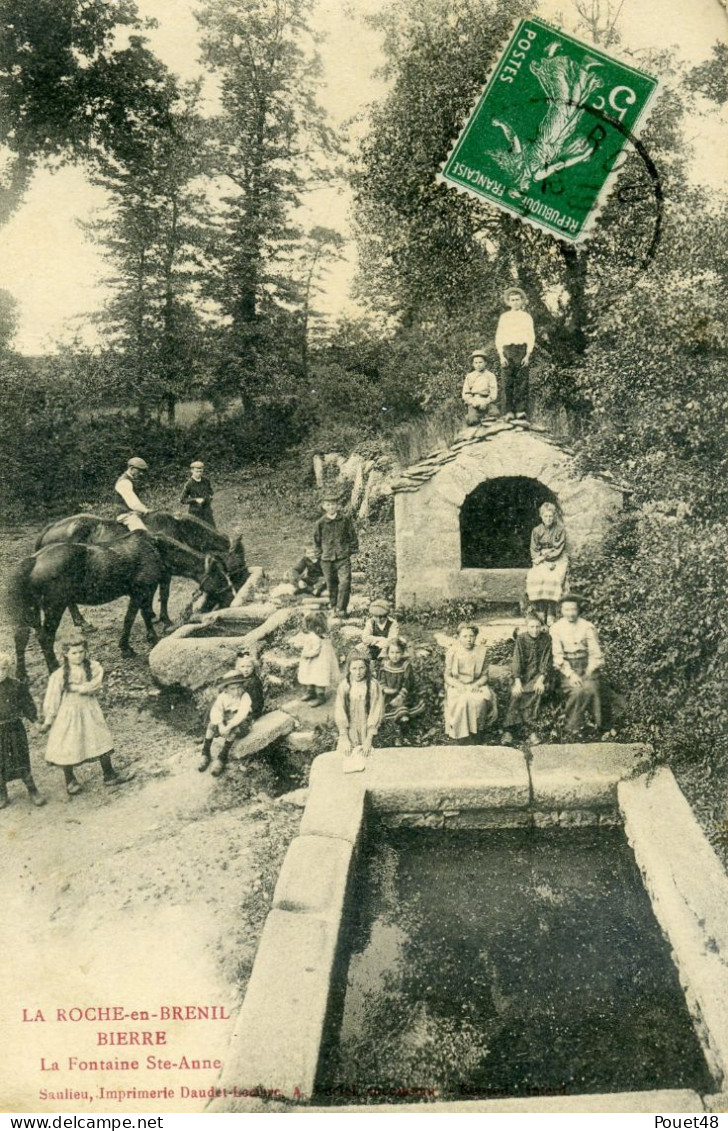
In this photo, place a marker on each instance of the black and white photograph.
(364, 557)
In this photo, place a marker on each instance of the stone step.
(280, 661)
(309, 716)
(266, 729)
(301, 740)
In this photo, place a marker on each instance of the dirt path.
(149, 894)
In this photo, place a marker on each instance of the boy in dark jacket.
(532, 668)
(306, 575)
(197, 494)
(335, 540)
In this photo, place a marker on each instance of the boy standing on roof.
(514, 339)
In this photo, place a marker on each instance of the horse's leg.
(145, 606)
(79, 619)
(164, 586)
(47, 633)
(131, 612)
(22, 636)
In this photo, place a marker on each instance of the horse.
(45, 584)
(93, 530)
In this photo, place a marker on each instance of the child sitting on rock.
(307, 576)
(240, 701)
(402, 700)
(480, 392)
(318, 669)
(359, 712)
(379, 628)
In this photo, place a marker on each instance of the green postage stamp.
(549, 133)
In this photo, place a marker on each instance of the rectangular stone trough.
(276, 1046)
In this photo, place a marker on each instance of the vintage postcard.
(363, 542)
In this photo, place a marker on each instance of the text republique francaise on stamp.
(550, 130)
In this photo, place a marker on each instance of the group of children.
(514, 343)
(72, 716)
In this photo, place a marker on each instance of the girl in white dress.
(318, 670)
(71, 713)
(358, 713)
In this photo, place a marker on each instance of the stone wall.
(427, 513)
(278, 1035)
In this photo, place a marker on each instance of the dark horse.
(93, 530)
(63, 573)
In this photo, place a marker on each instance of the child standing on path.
(71, 713)
(318, 669)
(16, 704)
(197, 494)
(514, 339)
(480, 392)
(335, 540)
(239, 703)
(358, 713)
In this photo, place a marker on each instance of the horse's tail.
(20, 603)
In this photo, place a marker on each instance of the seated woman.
(532, 669)
(546, 578)
(470, 704)
(402, 700)
(578, 660)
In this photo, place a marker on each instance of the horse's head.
(215, 583)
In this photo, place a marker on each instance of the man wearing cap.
(335, 540)
(197, 494)
(578, 659)
(514, 339)
(125, 488)
(480, 391)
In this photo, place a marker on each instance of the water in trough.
(515, 962)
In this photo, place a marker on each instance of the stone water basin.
(195, 655)
(501, 927)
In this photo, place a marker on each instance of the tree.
(155, 230)
(271, 138)
(67, 89)
(430, 254)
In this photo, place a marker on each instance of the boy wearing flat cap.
(335, 540)
(379, 628)
(238, 704)
(197, 494)
(515, 338)
(480, 392)
(125, 488)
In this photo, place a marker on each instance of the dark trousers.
(514, 380)
(523, 708)
(338, 582)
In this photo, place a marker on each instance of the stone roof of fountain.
(414, 476)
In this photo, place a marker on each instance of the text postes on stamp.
(548, 134)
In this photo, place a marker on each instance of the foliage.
(154, 230)
(75, 78)
(268, 139)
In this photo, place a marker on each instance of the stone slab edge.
(688, 889)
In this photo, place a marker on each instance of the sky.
(59, 278)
